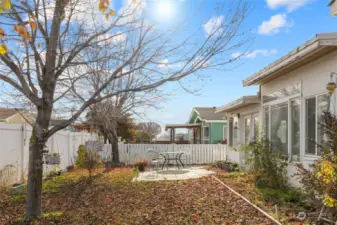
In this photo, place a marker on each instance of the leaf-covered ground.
(112, 198)
(282, 205)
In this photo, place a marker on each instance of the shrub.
(87, 160)
(288, 195)
(140, 165)
(321, 178)
(267, 167)
(80, 156)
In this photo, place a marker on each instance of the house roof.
(55, 122)
(7, 112)
(239, 103)
(208, 113)
(331, 2)
(303, 54)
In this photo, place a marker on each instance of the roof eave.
(290, 61)
(239, 103)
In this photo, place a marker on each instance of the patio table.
(168, 156)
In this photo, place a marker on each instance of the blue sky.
(278, 26)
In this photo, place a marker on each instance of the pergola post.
(173, 134)
(194, 136)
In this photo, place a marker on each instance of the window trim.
(306, 154)
(255, 115)
(203, 134)
(224, 130)
(280, 101)
(250, 128)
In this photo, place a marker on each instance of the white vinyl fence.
(14, 149)
(201, 153)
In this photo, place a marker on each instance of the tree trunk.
(114, 148)
(34, 185)
(35, 164)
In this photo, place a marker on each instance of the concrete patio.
(174, 174)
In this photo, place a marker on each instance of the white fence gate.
(14, 150)
(201, 153)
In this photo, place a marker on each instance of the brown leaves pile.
(112, 198)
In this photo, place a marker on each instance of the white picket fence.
(14, 150)
(201, 153)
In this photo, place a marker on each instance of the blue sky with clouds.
(278, 26)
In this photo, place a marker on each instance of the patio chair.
(154, 158)
(186, 158)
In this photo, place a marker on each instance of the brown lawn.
(112, 198)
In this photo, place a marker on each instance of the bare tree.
(151, 129)
(45, 61)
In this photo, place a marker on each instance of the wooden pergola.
(195, 128)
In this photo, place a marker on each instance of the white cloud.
(274, 24)
(212, 26)
(291, 5)
(163, 63)
(255, 53)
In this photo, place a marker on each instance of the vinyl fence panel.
(14, 150)
(200, 153)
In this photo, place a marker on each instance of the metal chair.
(186, 157)
(154, 157)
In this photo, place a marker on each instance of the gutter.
(320, 41)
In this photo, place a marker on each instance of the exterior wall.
(215, 132)
(244, 112)
(313, 78)
(239, 115)
(16, 119)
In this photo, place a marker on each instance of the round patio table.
(176, 156)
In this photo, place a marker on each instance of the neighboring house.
(333, 8)
(293, 95)
(14, 116)
(19, 116)
(212, 125)
(243, 119)
(205, 126)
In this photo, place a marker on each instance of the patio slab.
(174, 174)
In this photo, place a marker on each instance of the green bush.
(283, 195)
(80, 159)
(87, 159)
(268, 167)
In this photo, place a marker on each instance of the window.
(282, 126)
(231, 129)
(266, 122)
(247, 130)
(279, 127)
(295, 129)
(322, 106)
(256, 125)
(236, 136)
(225, 132)
(315, 107)
(205, 138)
(206, 133)
(310, 105)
